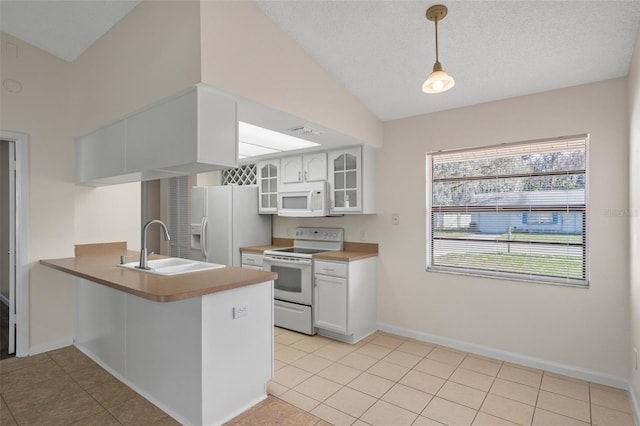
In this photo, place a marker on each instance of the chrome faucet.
(143, 251)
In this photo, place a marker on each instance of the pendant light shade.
(438, 81)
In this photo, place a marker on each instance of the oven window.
(295, 202)
(289, 279)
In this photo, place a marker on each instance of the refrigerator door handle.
(203, 238)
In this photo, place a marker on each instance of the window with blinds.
(514, 210)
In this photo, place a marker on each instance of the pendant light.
(438, 81)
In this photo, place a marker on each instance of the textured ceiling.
(62, 28)
(382, 50)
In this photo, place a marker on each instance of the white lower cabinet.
(331, 303)
(345, 299)
(252, 261)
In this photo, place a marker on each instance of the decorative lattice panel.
(243, 175)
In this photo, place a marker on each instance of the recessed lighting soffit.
(255, 140)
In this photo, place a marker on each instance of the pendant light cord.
(436, 21)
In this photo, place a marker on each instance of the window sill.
(512, 277)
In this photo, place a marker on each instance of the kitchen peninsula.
(198, 345)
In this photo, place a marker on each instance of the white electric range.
(293, 304)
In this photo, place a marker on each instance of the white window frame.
(577, 283)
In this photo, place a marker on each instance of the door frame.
(21, 146)
(12, 245)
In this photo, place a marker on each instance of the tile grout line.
(590, 407)
(396, 382)
(9, 409)
(86, 392)
(486, 395)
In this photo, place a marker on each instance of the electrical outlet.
(240, 311)
(363, 236)
(395, 218)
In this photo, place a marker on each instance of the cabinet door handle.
(299, 176)
(306, 175)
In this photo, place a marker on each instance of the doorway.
(14, 239)
(7, 249)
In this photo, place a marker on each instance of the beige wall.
(634, 215)
(4, 218)
(41, 111)
(587, 329)
(152, 53)
(247, 54)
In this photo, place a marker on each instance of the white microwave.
(304, 199)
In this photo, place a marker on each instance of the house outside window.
(513, 210)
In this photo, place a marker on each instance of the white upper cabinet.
(193, 131)
(101, 154)
(304, 168)
(155, 136)
(267, 177)
(291, 169)
(352, 180)
(315, 166)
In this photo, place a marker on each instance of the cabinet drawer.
(333, 269)
(251, 259)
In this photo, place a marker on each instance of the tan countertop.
(102, 267)
(351, 251)
(344, 256)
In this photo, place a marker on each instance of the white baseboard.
(634, 404)
(38, 349)
(516, 358)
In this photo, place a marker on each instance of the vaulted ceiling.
(382, 51)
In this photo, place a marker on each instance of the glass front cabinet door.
(345, 178)
(268, 186)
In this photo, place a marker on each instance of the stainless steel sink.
(172, 266)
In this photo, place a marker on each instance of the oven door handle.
(273, 261)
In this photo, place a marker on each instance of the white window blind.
(178, 216)
(513, 210)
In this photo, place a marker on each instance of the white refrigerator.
(223, 219)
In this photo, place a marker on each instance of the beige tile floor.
(391, 380)
(65, 387)
(385, 380)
